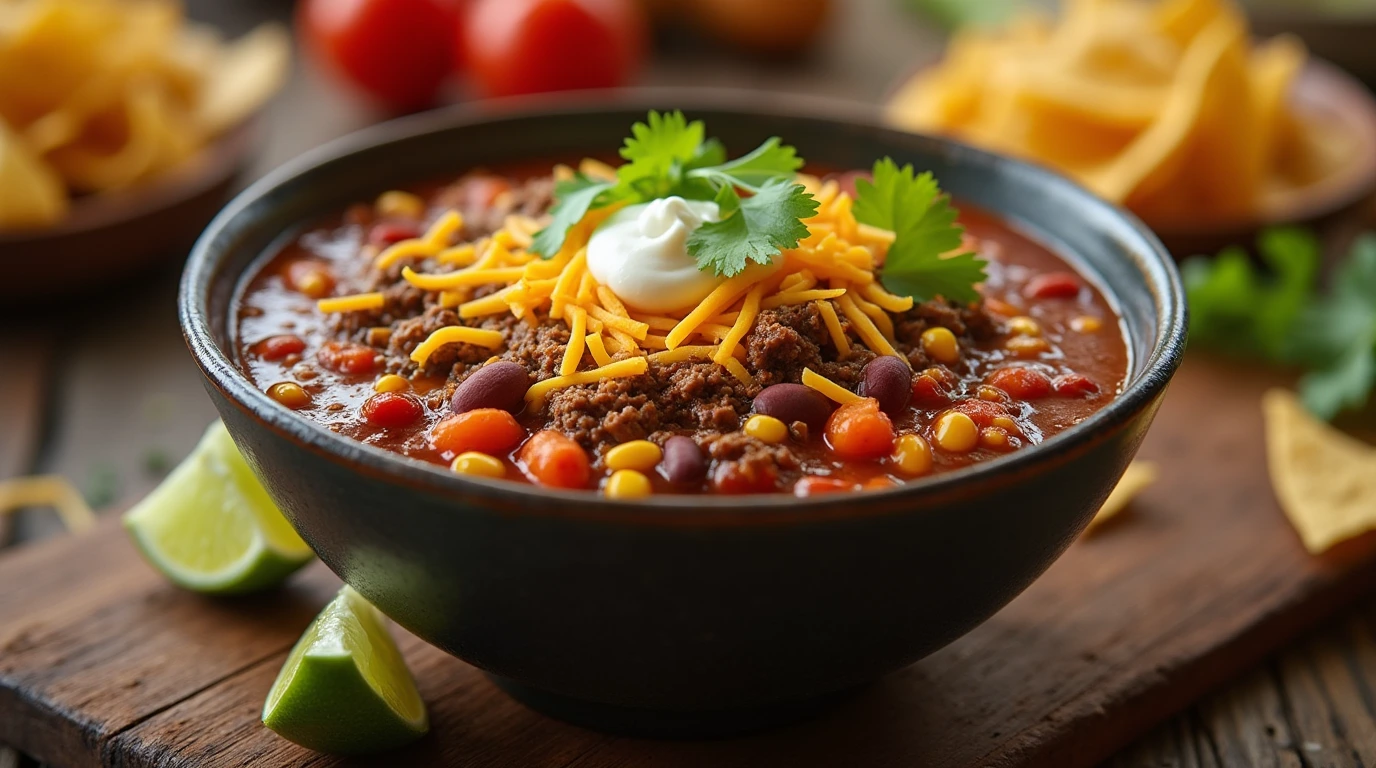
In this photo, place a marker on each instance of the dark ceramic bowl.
(681, 614)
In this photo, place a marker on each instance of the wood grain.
(104, 663)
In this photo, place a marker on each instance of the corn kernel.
(1026, 346)
(627, 484)
(391, 383)
(941, 345)
(640, 455)
(955, 432)
(1023, 325)
(289, 394)
(992, 394)
(912, 455)
(479, 464)
(314, 284)
(1086, 324)
(379, 336)
(766, 428)
(993, 437)
(402, 204)
(1006, 424)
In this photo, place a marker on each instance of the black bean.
(794, 402)
(890, 381)
(683, 461)
(501, 385)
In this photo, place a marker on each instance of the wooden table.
(102, 391)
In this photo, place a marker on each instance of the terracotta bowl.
(685, 614)
(109, 236)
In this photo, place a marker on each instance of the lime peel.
(345, 688)
(211, 526)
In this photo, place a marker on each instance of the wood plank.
(26, 357)
(1199, 581)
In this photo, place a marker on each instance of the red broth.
(1039, 317)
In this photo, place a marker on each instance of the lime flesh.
(345, 688)
(211, 527)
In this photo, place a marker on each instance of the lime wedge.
(210, 526)
(345, 688)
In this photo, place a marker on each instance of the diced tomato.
(859, 431)
(816, 485)
(1053, 285)
(1021, 382)
(344, 357)
(982, 412)
(278, 347)
(485, 430)
(552, 458)
(929, 393)
(1074, 385)
(739, 478)
(388, 233)
(391, 410)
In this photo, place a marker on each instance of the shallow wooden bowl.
(110, 236)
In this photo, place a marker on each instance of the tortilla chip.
(1136, 478)
(1325, 480)
(31, 195)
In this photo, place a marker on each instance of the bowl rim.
(1162, 280)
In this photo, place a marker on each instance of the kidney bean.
(794, 402)
(1053, 285)
(888, 380)
(500, 385)
(683, 461)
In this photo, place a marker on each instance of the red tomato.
(1053, 285)
(398, 51)
(533, 46)
(739, 478)
(1022, 383)
(347, 358)
(388, 233)
(278, 347)
(390, 410)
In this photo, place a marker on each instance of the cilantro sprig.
(922, 261)
(763, 208)
(668, 155)
(1278, 315)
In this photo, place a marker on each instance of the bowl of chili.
(793, 561)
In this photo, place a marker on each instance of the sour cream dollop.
(641, 254)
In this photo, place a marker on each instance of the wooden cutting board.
(102, 662)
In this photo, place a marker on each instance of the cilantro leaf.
(1335, 337)
(771, 160)
(1234, 307)
(923, 222)
(573, 199)
(656, 152)
(754, 229)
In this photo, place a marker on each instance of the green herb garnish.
(668, 155)
(914, 209)
(1279, 317)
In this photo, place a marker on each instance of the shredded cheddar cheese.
(833, 270)
(355, 303)
(828, 387)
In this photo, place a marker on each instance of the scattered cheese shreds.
(455, 334)
(801, 297)
(356, 303)
(573, 353)
(1136, 478)
(864, 326)
(744, 323)
(47, 491)
(598, 349)
(1324, 479)
(828, 387)
(718, 299)
(833, 324)
(738, 370)
(631, 366)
